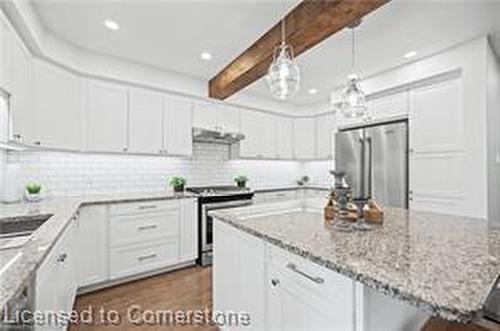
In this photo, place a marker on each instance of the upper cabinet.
(145, 121)
(177, 124)
(228, 118)
(260, 135)
(215, 116)
(106, 117)
(390, 106)
(5, 54)
(304, 138)
(325, 136)
(57, 107)
(284, 137)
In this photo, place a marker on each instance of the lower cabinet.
(56, 281)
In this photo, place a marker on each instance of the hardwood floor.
(179, 292)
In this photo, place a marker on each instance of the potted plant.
(178, 183)
(33, 192)
(241, 180)
(303, 181)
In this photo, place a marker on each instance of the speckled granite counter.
(443, 264)
(19, 264)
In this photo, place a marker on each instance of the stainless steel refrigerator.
(375, 159)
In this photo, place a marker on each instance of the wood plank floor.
(184, 290)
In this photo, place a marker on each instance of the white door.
(228, 118)
(106, 117)
(436, 148)
(92, 245)
(284, 138)
(5, 54)
(145, 121)
(260, 135)
(304, 138)
(57, 107)
(189, 230)
(325, 136)
(177, 126)
(389, 106)
(21, 92)
(204, 115)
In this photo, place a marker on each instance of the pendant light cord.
(354, 50)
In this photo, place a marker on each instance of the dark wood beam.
(309, 23)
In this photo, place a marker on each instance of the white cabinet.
(5, 54)
(228, 118)
(56, 108)
(55, 284)
(284, 138)
(145, 121)
(242, 257)
(21, 100)
(204, 115)
(304, 139)
(106, 114)
(93, 245)
(325, 136)
(389, 106)
(189, 230)
(177, 125)
(436, 149)
(260, 135)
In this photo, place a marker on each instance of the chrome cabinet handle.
(147, 207)
(293, 267)
(147, 227)
(62, 258)
(275, 282)
(37, 143)
(146, 257)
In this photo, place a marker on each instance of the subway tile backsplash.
(75, 174)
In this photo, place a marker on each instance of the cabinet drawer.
(143, 228)
(134, 260)
(323, 282)
(142, 207)
(280, 195)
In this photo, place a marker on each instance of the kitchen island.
(295, 270)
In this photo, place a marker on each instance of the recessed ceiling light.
(112, 25)
(312, 91)
(411, 54)
(206, 56)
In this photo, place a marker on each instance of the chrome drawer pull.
(147, 257)
(147, 207)
(293, 267)
(147, 227)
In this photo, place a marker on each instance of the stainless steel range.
(213, 198)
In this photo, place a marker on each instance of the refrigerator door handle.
(370, 165)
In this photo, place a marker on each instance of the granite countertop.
(446, 265)
(290, 188)
(18, 265)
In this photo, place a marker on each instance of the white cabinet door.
(57, 107)
(260, 135)
(304, 138)
(189, 230)
(145, 121)
(177, 125)
(436, 149)
(325, 136)
(106, 117)
(5, 54)
(204, 115)
(284, 138)
(241, 256)
(93, 245)
(21, 92)
(228, 119)
(390, 106)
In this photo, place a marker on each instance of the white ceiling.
(171, 34)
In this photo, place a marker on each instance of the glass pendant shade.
(283, 76)
(353, 100)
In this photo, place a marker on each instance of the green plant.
(241, 179)
(177, 182)
(33, 188)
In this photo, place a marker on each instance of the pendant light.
(283, 76)
(352, 98)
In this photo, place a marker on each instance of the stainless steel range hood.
(216, 137)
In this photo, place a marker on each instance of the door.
(228, 119)
(304, 138)
(177, 126)
(348, 149)
(204, 115)
(387, 148)
(106, 117)
(260, 136)
(325, 136)
(145, 121)
(284, 138)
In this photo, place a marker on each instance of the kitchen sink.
(15, 232)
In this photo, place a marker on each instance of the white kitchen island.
(282, 266)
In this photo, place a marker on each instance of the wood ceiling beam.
(309, 23)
